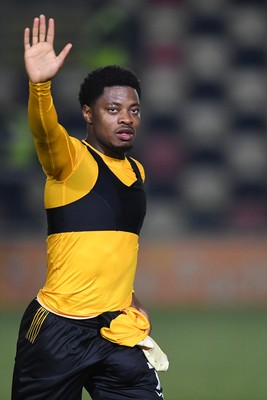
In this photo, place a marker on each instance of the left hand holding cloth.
(131, 328)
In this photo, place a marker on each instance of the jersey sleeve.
(55, 148)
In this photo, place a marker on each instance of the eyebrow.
(115, 103)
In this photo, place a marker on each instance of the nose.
(125, 118)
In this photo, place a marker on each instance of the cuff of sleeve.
(40, 86)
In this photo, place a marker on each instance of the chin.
(121, 150)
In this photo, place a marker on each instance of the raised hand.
(41, 62)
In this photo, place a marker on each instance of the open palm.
(41, 62)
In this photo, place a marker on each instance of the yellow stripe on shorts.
(36, 324)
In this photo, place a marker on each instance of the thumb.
(64, 53)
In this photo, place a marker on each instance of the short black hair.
(111, 75)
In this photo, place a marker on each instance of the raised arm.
(41, 62)
(54, 146)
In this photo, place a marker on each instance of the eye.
(112, 110)
(135, 111)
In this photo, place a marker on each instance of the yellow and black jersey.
(109, 206)
(95, 208)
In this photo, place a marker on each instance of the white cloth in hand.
(156, 357)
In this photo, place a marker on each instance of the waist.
(96, 322)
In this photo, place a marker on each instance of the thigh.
(49, 358)
(124, 374)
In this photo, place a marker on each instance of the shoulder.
(82, 157)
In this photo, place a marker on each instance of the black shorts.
(56, 357)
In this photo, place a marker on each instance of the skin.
(113, 119)
(41, 62)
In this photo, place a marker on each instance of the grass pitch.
(214, 354)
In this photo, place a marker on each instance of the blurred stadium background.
(203, 258)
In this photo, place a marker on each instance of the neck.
(114, 152)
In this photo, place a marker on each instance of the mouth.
(125, 134)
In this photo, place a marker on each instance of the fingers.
(42, 28)
(39, 31)
(35, 31)
(51, 31)
(27, 38)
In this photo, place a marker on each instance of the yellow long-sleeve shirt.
(89, 271)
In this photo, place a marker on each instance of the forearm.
(138, 305)
(52, 143)
(42, 114)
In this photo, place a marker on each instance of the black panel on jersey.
(110, 205)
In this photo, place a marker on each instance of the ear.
(87, 114)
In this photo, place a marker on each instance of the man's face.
(113, 121)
